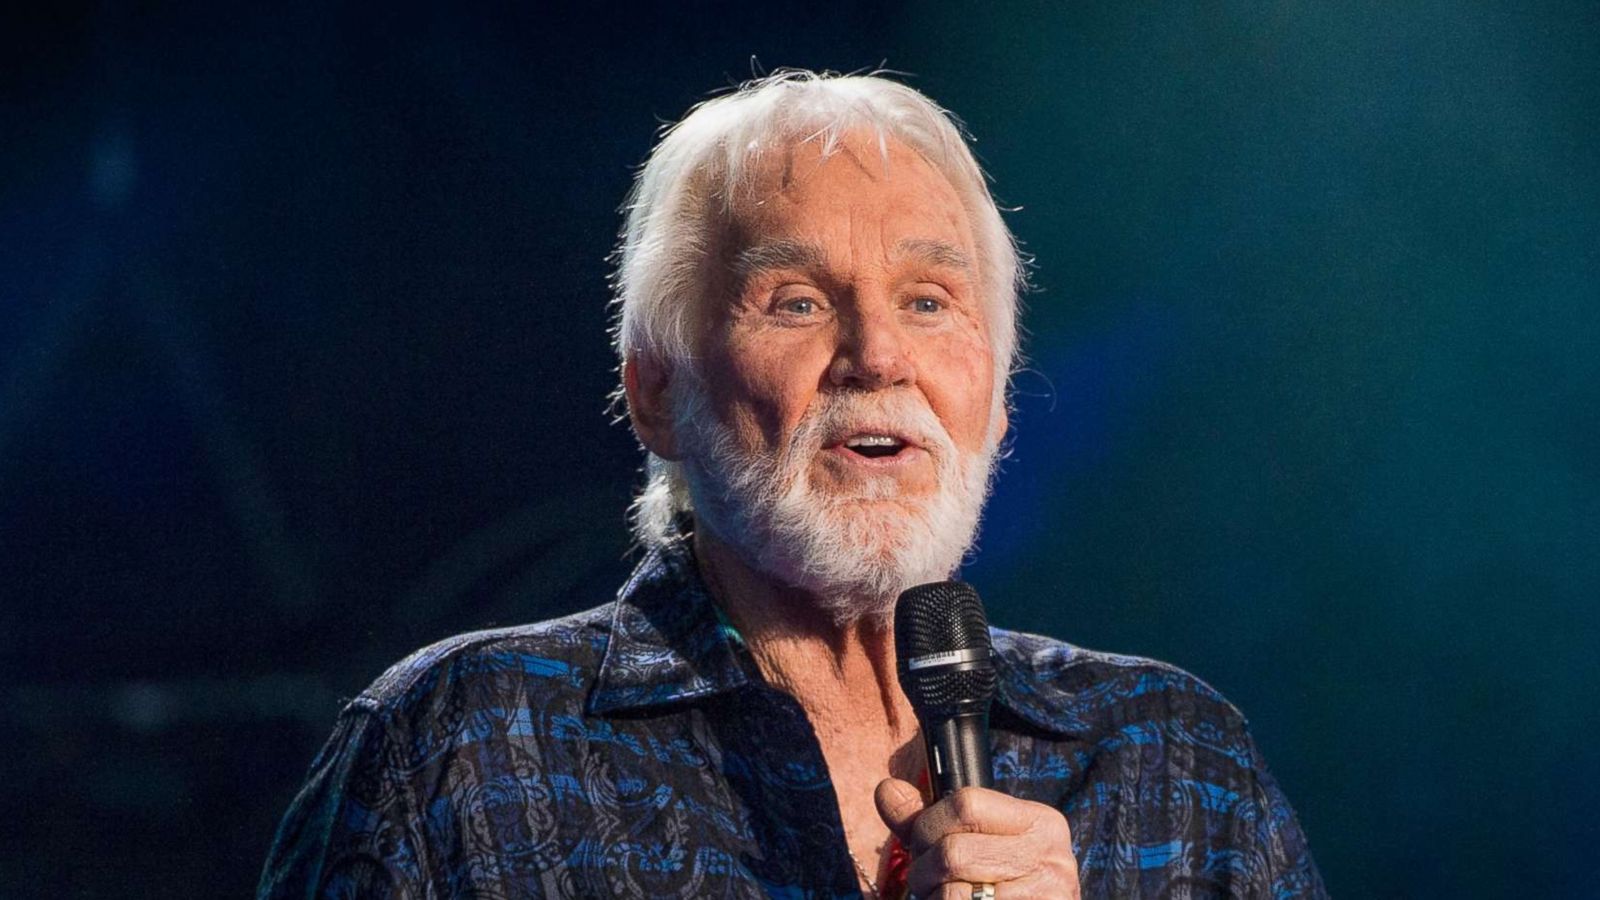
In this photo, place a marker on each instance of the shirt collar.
(668, 644)
(1032, 685)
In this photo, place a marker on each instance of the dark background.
(303, 365)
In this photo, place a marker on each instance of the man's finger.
(972, 859)
(972, 810)
(899, 802)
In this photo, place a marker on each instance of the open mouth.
(874, 446)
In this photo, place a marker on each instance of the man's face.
(849, 275)
(847, 358)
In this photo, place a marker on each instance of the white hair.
(690, 180)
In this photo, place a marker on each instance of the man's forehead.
(794, 194)
(860, 154)
(769, 255)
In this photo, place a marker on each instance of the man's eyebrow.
(939, 253)
(752, 261)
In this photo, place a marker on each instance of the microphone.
(946, 668)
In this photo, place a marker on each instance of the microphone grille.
(943, 618)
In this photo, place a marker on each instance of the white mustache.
(834, 417)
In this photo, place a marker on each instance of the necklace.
(872, 885)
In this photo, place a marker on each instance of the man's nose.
(873, 353)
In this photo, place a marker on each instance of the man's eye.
(799, 306)
(927, 305)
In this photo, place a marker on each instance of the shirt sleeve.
(1282, 855)
(353, 830)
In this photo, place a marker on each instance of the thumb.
(899, 802)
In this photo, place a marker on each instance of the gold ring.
(983, 892)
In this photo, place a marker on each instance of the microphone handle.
(958, 753)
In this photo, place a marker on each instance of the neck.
(843, 675)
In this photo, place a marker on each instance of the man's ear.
(645, 381)
(1000, 424)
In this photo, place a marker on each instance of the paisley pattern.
(632, 751)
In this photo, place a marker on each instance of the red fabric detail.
(895, 883)
(896, 871)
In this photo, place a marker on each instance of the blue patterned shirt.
(634, 751)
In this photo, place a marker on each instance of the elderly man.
(817, 320)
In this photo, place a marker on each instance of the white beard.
(853, 557)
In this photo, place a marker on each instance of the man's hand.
(979, 836)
